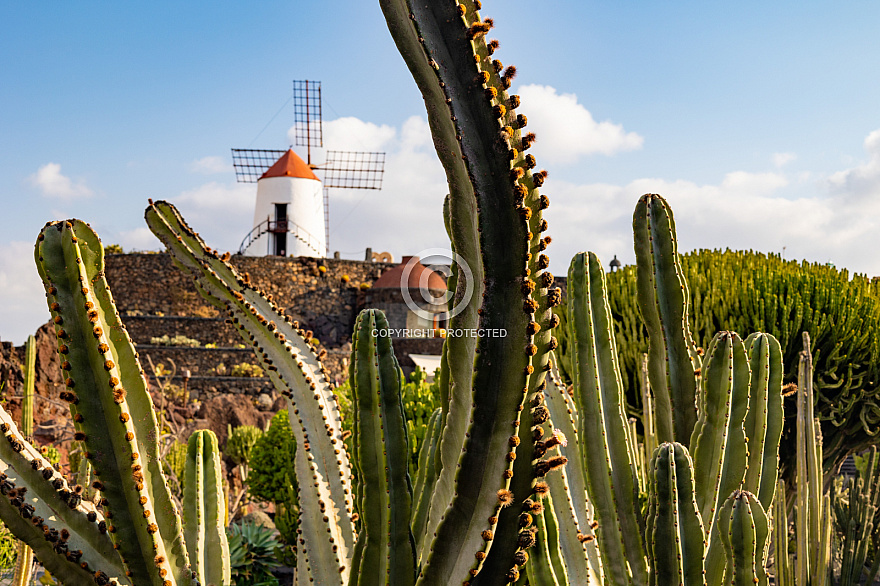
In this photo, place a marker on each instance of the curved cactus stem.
(764, 421)
(743, 532)
(577, 541)
(295, 370)
(433, 38)
(674, 528)
(426, 478)
(35, 511)
(110, 404)
(388, 555)
(203, 515)
(719, 440)
(462, 227)
(602, 425)
(663, 303)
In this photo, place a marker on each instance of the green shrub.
(420, 398)
(8, 545)
(272, 472)
(240, 443)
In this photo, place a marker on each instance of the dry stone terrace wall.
(324, 301)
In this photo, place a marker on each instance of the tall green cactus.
(608, 461)
(136, 536)
(326, 525)
(674, 533)
(204, 510)
(744, 530)
(663, 303)
(812, 507)
(855, 518)
(386, 551)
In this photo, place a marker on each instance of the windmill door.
(280, 230)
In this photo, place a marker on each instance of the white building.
(289, 213)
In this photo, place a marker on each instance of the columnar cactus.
(674, 528)
(608, 461)
(326, 525)
(385, 546)
(812, 508)
(204, 510)
(744, 530)
(136, 536)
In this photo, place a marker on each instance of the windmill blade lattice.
(354, 169)
(250, 164)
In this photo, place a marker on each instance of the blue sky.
(755, 121)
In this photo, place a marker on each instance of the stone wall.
(324, 301)
(156, 299)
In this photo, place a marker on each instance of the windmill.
(292, 210)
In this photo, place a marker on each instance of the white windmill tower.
(292, 214)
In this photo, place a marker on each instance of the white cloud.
(138, 239)
(746, 183)
(566, 130)
(221, 212)
(210, 165)
(24, 304)
(835, 219)
(862, 180)
(351, 134)
(49, 180)
(782, 159)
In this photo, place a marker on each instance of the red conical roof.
(391, 278)
(290, 165)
